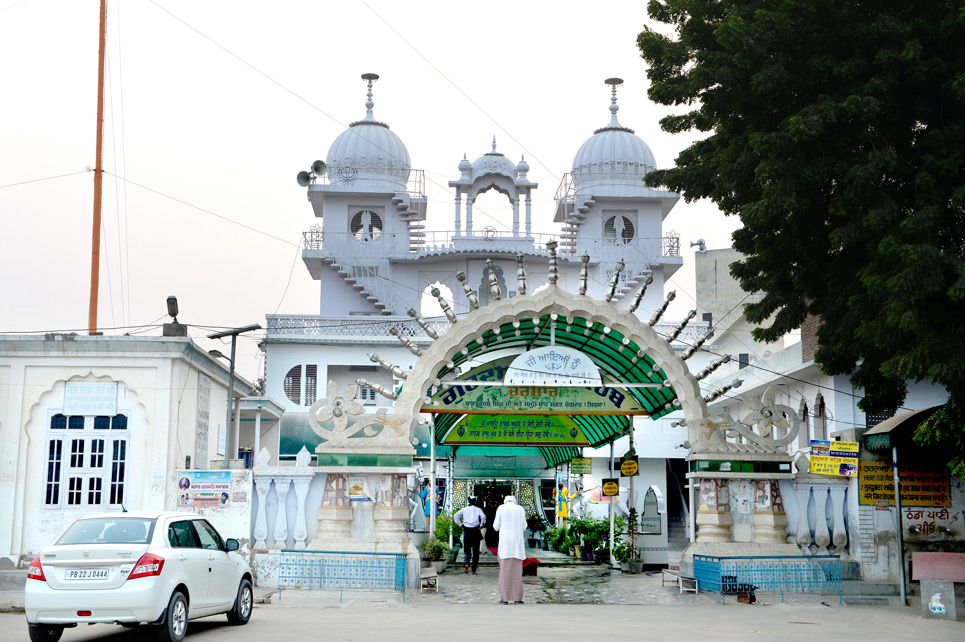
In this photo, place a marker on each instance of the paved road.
(560, 604)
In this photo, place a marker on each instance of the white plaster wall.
(158, 392)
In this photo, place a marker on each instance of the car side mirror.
(232, 544)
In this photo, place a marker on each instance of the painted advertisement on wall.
(920, 485)
(204, 488)
(835, 458)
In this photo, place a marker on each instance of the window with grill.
(311, 383)
(86, 456)
(366, 225)
(618, 230)
(365, 396)
(293, 384)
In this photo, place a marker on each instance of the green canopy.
(619, 359)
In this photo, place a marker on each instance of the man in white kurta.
(510, 521)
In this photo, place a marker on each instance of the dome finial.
(494, 142)
(614, 107)
(369, 103)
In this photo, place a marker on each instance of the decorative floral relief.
(756, 427)
(337, 408)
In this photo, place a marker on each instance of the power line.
(46, 178)
(201, 209)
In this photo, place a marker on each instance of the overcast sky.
(213, 107)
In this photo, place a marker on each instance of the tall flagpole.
(95, 254)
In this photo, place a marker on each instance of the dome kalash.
(614, 160)
(368, 152)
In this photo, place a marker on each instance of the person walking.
(471, 519)
(510, 521)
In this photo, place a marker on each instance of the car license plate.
(87, 573)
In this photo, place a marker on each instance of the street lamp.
(229, 450)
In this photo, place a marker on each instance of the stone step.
(13, 579)
(871, 600)
(866, 589)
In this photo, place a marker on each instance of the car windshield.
(109, 530)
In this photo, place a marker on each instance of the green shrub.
(444, 522)
(434, 548)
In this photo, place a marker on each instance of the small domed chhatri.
(493, 163)
(613, 160)
(368, 152)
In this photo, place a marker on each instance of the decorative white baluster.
(262, 486)
(282, 485)
(301, 529)
(822, 537)
(840, 534)
(803, 494)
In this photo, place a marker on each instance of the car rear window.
(109, 530)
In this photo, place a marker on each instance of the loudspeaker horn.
(319, 167)
(304, 179)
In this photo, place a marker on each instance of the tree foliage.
(836, 132)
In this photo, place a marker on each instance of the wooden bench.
(429, 580)
(938, 573)
(684, 583)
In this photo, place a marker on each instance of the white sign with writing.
(553, 365)
(90, 399)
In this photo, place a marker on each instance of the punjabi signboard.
(920, 485)
(532, 430)
(203, 488)
(581, 466)
(836, 458)
(629, 467)
(90, 398)
(534, 400)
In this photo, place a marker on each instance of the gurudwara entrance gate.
(543, 375)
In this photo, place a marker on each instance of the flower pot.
(635, 566)
(439, 565)
(533, 542)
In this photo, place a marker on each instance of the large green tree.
(835, 130)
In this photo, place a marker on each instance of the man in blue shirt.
(472, 519)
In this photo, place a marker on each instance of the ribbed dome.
(493, 163)
(613, 159)
(369, 153)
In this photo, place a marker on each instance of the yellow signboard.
(611, 487)
(920, 485)
(581, 466)
(629, 467)
(837, 458)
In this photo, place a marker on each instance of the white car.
(127, 568)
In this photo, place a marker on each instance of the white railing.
(282, 517)
(377, 327)
(369, 326)
(816, 512)
(346, 246)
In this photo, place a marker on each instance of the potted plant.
(556, 538)
(536, 526)
(624, 552)
(434, 550)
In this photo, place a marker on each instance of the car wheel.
(45, 632)
(240, 613)
(175, 623)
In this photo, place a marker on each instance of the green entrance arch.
(625, 349)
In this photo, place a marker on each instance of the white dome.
(613, 159)
(369, 153)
